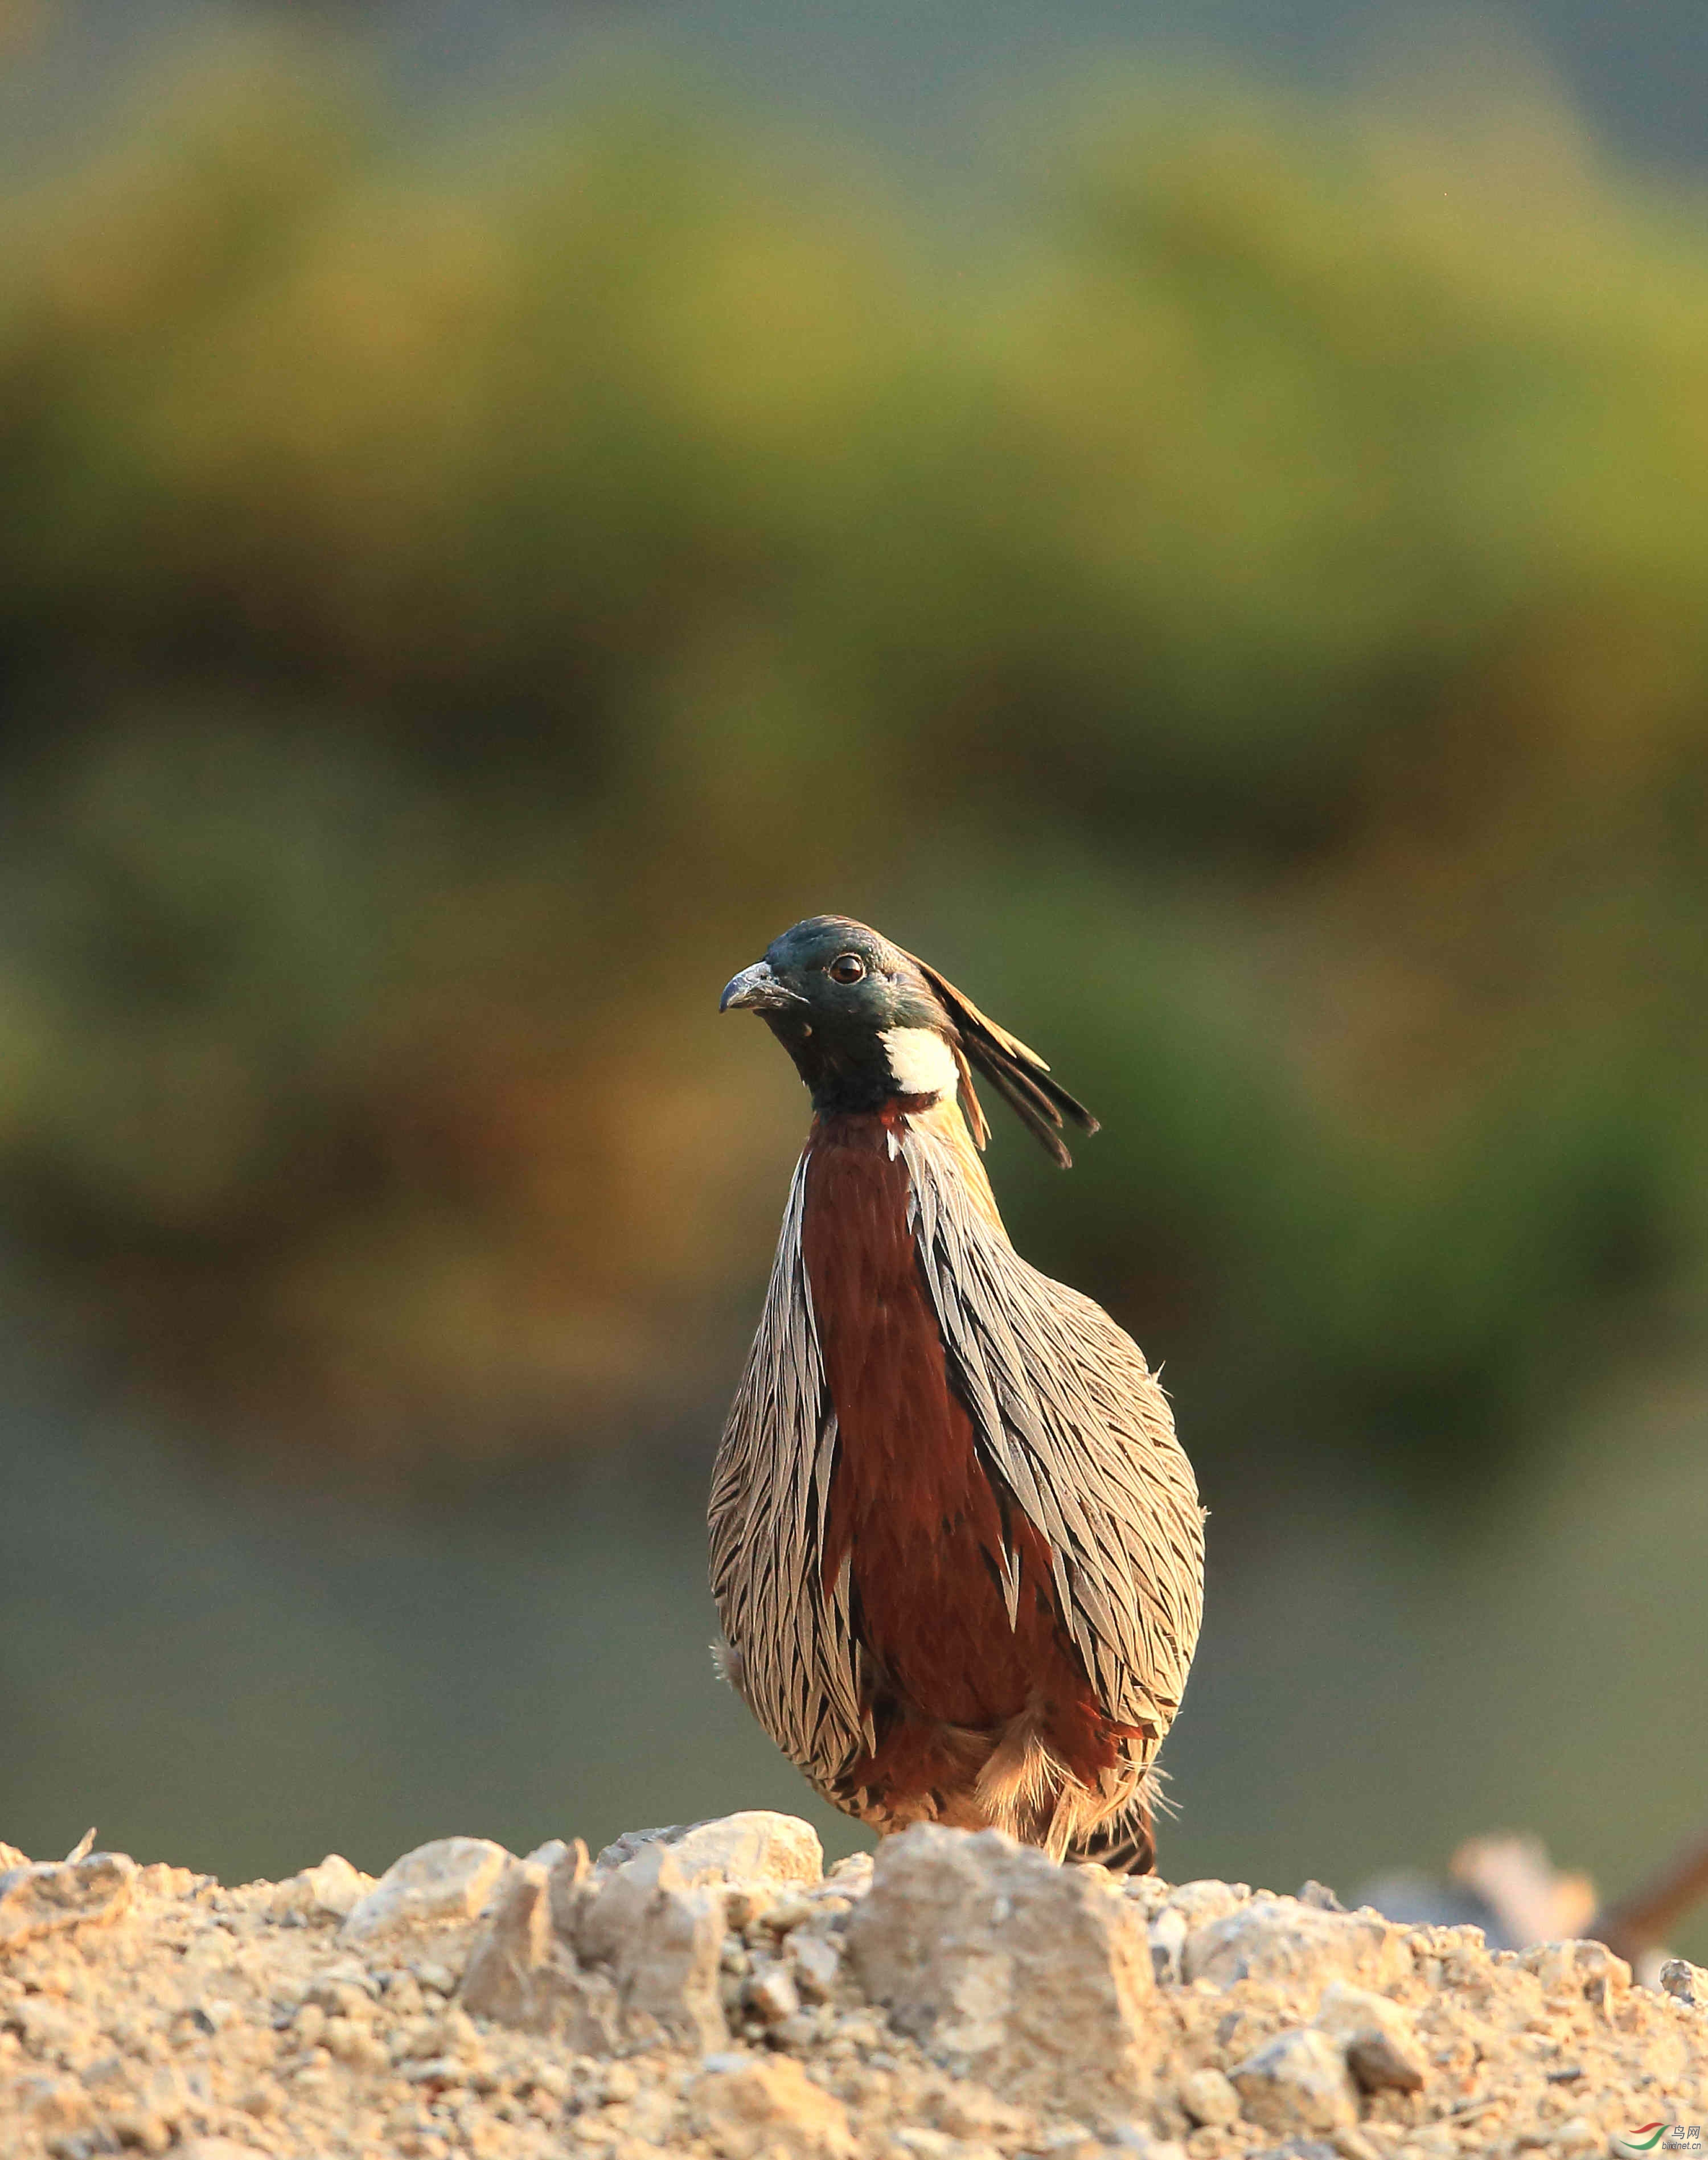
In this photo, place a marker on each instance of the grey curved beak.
(757, 989)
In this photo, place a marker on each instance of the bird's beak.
(757, 989)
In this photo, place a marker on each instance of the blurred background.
(1194, 518)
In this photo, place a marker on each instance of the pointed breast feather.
(769, 1490)
(1077, 1426)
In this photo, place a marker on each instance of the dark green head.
(866, 1024)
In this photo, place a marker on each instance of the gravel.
(709, 1992)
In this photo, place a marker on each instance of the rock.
(45, 1897)
(11, 1857)
(1279, 1939)
(1318, 1894)
(1209, 2098)
(747, 2106)
(1377, 2039)
(1685, 1982)
(55, 2104)
(1168, 1943)
(508, 1966)
(970, 2111)
(816, 1962)
(1032, 1977)
(1299, 2081)
(667, 1971)
(757, 1846)
(598, 1912)
(795, 2034)
(633, 1842)
(158, 1880)
(157, 2107)
(1198, 1903)
(552, 1851)
(329, 1891)
(771, 1996)
(927, 2144)
(745, 1903)
(521, 1974)
(659, 1937)
(1577, 1968)
(436, 1886)
(1578, 2134)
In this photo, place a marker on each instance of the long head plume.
(1018, 1074)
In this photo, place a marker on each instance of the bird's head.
(866, 1024)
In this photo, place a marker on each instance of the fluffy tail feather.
(1126, 1843)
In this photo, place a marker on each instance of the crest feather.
(1018, 1074)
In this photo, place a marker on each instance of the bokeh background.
(504, 506)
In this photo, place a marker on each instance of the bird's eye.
(846, 967)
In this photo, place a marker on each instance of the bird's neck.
(859, 1074)
(935, 1120)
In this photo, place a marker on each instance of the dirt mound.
(711, 1991)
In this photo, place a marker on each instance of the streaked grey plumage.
(1074, 1437)
(1083, 1433)
(789, 1651)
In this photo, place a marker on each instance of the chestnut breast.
(910, 1505)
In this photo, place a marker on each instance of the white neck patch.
(920, 1062)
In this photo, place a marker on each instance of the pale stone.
(1198, 1903)
(746, 2107)
(158, 1880)
(1685, 1982)
(329, 1891)
(56, 2103)
(551, 1852)
(48, 1896)
(1299, 2081)
(969, 2110)
(520, 1974)
(667, 1972)
(437, 1885)
(1168, 1944)
(1209, 2098)
(660, 1938)
(1280, 1939)
(1033, 1977)
(816, 1962)
(1377, 2037)
(771, 1996)
(757, 1846)
(1578, 2135)
(924, 2144)
(1587, 1969)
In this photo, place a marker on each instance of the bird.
(956, 1547)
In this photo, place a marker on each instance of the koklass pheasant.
(956, 1547)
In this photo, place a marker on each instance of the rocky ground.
(711, 1991)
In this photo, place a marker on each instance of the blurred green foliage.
(1249, 626)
